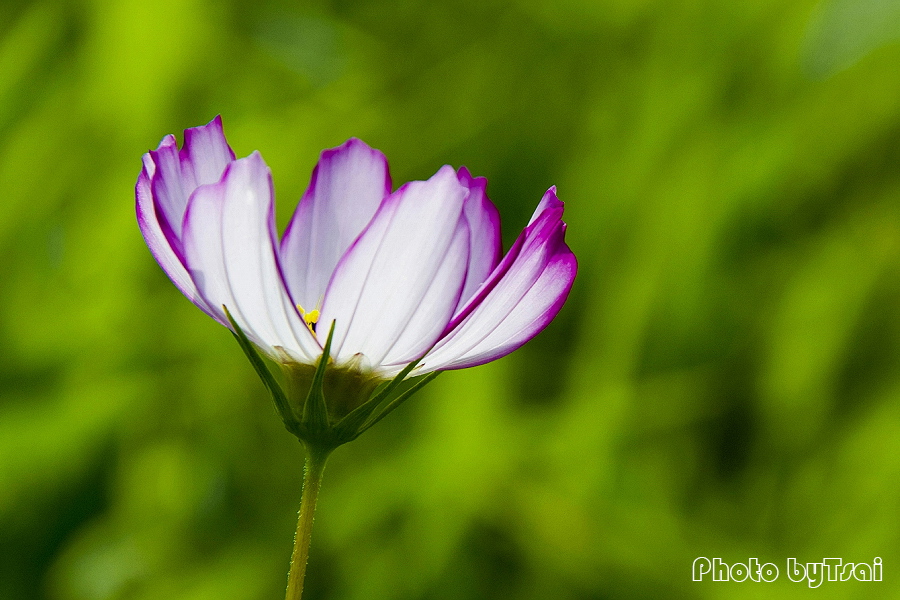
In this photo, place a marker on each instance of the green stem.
(312, 480)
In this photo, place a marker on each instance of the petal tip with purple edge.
(520, 298)
(351, 145)
(549, 201)
(352, 149)
(469, 180)
(213, 128)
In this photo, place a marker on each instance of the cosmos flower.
(412, 274)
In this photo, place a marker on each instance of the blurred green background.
(723, 382)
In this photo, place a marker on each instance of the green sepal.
(315, 410)
(281, 403)
(311, 422)
(397, 402)
(349, 427)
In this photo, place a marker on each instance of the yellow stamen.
(310, 318)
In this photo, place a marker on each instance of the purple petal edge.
(569, 265)
(327, 155)
(485, 243)
(547, 209)
(545, 233)
(162, 241)
(348, 185)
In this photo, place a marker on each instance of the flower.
(413, 274)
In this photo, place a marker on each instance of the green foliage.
(724, 380)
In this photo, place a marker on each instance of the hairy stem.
(312, 480)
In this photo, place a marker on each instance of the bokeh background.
(723, 382)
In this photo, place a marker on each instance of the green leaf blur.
(723, 382)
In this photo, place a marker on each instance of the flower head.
(412, 274)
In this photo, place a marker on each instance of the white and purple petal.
(159, 243)
(347, 187)
(163, 187)
(166, 182)
(484, 233)
(520, 298)
(230, 252)
(205, 154)
(427, 316)
(178, 173)
(398, 285)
